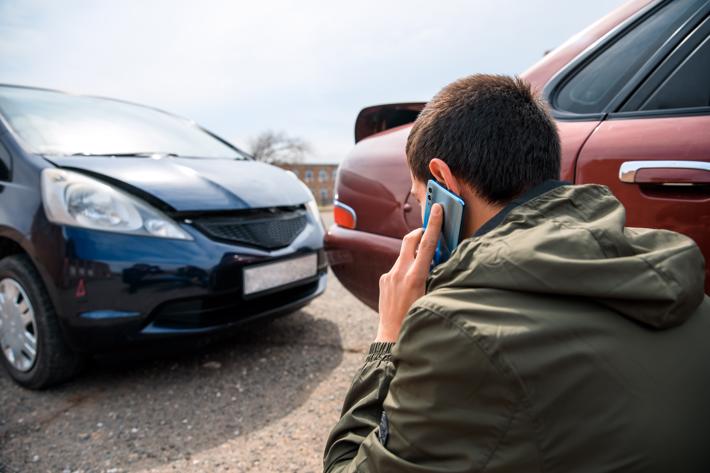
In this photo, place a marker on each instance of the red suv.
(631, 96)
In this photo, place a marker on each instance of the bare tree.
(278, 147)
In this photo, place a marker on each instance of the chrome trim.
(337, 203)
(628, 170)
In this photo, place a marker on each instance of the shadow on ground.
(151, 407)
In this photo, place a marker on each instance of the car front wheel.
(33, 350)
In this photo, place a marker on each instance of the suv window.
(5, 164)
(688, 86)
(593, 87)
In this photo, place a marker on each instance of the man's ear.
(441, 172)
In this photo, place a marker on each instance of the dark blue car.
(120, 223)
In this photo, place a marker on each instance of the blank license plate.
(271, 275)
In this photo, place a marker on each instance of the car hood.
(188, 184)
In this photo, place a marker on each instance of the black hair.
(492, 131)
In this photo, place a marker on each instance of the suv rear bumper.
(359, 258)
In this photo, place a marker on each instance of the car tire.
(54, 361)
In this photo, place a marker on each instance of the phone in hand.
(453, 207)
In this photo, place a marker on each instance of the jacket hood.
(187, 184)
(571, 242)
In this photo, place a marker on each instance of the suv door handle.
(669, 173)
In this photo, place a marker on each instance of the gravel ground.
(263, 400)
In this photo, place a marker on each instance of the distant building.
(320, 179)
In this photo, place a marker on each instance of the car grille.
(264, 230)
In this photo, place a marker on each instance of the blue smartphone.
(453, 224)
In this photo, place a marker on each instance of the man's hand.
(405, 282)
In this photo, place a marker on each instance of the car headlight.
(313, 208)
(315, 212)
(71, 198)
(311, 205)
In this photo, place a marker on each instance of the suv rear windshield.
(55, 123)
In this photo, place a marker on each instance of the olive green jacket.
(559, 341)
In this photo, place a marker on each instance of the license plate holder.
(267, 277)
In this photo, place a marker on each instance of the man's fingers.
(427, 245)
(410, 242)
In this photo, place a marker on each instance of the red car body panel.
(359, 259)
(375, 182)
(684, 209)
(375, 176)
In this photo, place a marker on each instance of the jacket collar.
(520, 200)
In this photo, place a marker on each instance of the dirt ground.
(263, 400)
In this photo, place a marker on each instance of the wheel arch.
(12, 243)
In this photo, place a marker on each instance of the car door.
(653, 147)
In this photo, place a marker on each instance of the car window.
(5, 164)
(688, 86)
(593, 87)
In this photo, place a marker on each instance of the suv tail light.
(344, 215)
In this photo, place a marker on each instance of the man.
(554, 339)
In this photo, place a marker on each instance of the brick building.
(320, 179)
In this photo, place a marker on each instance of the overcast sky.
(304, 67)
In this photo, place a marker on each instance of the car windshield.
(56, 123)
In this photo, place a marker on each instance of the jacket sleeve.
(362, 408)
(440, 401)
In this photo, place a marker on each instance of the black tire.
(55, 361)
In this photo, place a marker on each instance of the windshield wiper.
(142, 154)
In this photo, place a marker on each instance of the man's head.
(490, 134)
